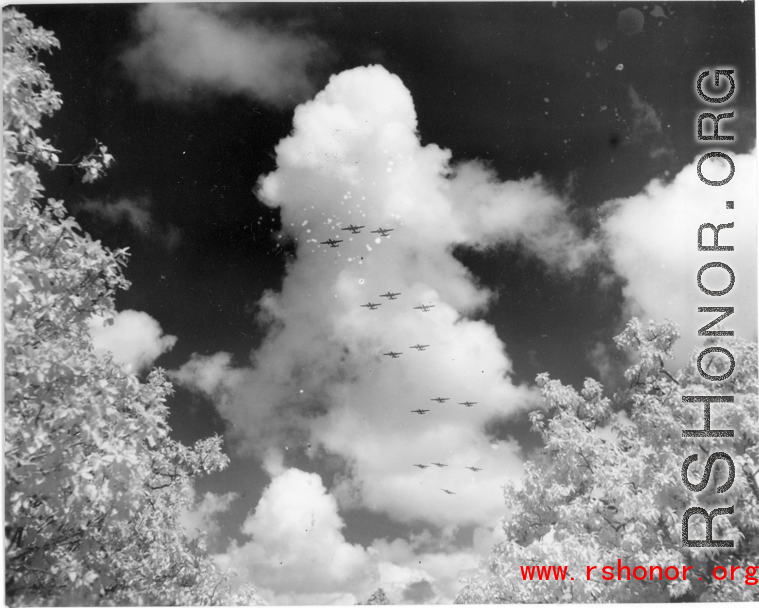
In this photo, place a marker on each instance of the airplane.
(392, 354)
(370, 306)
(419, 346)
(468, 403)
(420, 411)
(332, 242)
(382, 231)
(424, 307)
(447, 491)
(475, 469)
(439, 464)
(389, 295)
(440, 399)
(422, 466)
(354, 229)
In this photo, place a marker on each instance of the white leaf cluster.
(589, 501)
(94, 485)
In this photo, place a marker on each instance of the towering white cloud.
(134, 338)
(651, 239)
(320, 377)
(184, 46)
(355, 158)
(296, 552)
(296, 541)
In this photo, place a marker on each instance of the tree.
(590, 501)
(378, 598)
(94, 484)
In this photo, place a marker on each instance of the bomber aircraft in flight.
(447, 491)
(354, 229)
(424, 307)
(422, 466)
(370, 306)
(440, 399)
(420, 411)
(419, 347)
(392, 354)
(439, 464)
(390, 296)
(468, 403)
(331, 242)
(475, 469)
(382, 231)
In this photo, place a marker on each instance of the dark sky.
(597, 98)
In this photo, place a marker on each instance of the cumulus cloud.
(320, 376)
(651, 240)
(135, 339)
(523, 212)
(202, 517)
(204, 374)
(297, 554)
(296, 545)
(427, 568)
(184, 47)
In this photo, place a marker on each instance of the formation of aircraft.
(354, 229)
(383, 232)
(424, 307)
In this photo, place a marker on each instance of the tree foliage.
(378, 598)
(94, 484)
(591, 501)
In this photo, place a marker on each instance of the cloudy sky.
(536, 163)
